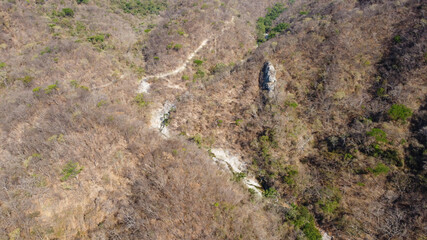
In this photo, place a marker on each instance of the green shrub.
(40, 2)
(237, 177)
(219, 67)
(101, 103)
(177, 47)
(46, 50)
(381, 92)
(261, 29)
(199, 74)
(181, 32)
(390, 155)
(70, 170)
(264, 24)
(98, 38)
(169, 46)
(58, 138)
(397, 39)
(15, 234)
(198, 62)
(75, 84)
(348, 156)
(140, 101)
(219, 122)
(303, 12)
(281, 27)
(156, 58)
(49, 89)
(197, 139)
(270, 193)
(26, 80)
(2, 65)
(291, 104)
(302, 219)
(252, 192)
(141, 7)
(378, 134)
(84, 88)
(290, 173)
(266, 142)
(211, 154)
(36, 89)
(380, 168)
(147, 30)
(67, 12)
(140, 71)
(272, 35)
(185, 77)
(330, 201)
(82, 1)
(273, 13)
(399, 112)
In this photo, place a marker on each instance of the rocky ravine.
(225, 158)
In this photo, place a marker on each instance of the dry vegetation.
(344, 140)
(77, 158)
(342, 69)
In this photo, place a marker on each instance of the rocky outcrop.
(267, 79)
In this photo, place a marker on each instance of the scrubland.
(341, 146)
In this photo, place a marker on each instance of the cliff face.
(268, 77)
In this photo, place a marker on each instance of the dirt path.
(145, 86)
(160, 120)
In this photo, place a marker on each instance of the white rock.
(144, 86)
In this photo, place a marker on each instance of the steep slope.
(77, 157)
(339, 144)
(338, 137)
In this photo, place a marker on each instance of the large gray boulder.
(268, 79)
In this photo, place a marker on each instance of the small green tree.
(199, 74)
(399, 112)
(304, 220)
(290, 174)
(198, 62)
(70, 170)
(98, 38)
(49, 89)
(380, 168)
(177, 46)
(140, 101)
(27, 80)
(378, 134)
(169, 46)
(68, 12)
(281, 27)
(270, 193)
